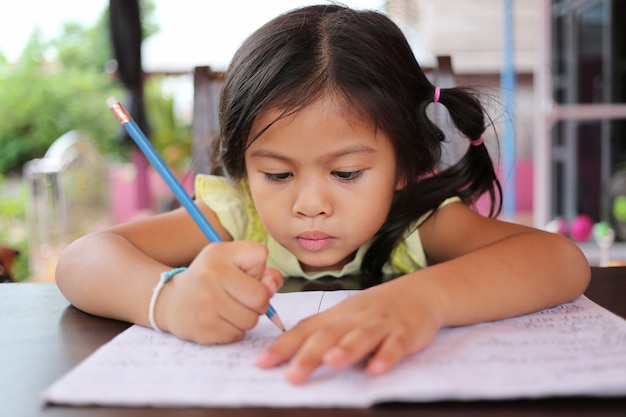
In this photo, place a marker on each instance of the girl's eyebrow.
(349, 150)
(352, 149)
(264, 153)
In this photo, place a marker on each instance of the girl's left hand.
(383, 323)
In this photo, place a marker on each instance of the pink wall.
(123, 180)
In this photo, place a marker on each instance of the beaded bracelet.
(165, 276)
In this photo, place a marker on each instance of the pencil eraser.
(111, 101)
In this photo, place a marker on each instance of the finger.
(238, 316)
(199, 318)
(221, 332)
(356, 345)
(241, 300)
(250, 257)
(310, 355)
(395, 347)
(212, 309)
(272, 279)
(239, 261)
(247, 292)
(289, 343)
(219, 292)
(236, 268)
(285, 346)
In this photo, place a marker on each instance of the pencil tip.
(278, 322)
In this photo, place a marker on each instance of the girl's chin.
(311, 268)
(319, 265)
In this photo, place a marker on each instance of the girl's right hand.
(221, 295)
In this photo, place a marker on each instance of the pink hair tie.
(437, 94)
(477, 142)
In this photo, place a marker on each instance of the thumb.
(250, 257)
(272, 279)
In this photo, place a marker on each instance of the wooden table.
(42, 337)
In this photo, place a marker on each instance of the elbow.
(574, 266)
(68, 269)
(62, 272)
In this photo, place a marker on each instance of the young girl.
(332, 167)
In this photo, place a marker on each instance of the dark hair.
(363, 57)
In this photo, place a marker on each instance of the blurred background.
(552, 73)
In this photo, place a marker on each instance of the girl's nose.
(312, 200)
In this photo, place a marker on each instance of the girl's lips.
(314, 241)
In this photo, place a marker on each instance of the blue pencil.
(155, 159)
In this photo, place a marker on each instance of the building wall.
(471, 31)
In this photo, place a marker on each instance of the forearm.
(519, 274)
(105, 275)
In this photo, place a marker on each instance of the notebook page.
(578, 348)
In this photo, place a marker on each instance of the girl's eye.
(347, 175)
(281, 176)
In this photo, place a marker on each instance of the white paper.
(577, 348)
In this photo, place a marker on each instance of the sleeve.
(409, 255)
(226, 200)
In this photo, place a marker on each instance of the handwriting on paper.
(577, 348)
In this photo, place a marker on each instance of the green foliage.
(149, 25)
(62, 85)
(87, 49)
(39, 109)
(171, 139)
(41, 101)
(13, 228)
(43, 98)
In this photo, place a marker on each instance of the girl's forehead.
(330, 104)
(324, 127)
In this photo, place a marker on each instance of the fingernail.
(271, 286)
(377, 366)
(296, 374)
(265, 359)
(335, 356)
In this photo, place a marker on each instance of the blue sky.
(192, 32)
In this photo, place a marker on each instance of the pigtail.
(469, 178)
(474, 174)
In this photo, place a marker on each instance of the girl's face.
(322, 181)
